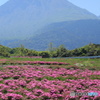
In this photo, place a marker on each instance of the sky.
(91, 5)
(3, 1)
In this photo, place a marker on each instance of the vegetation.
(61, 51)
(48, 78)
(73, 34)
(44, 83)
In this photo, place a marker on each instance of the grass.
(84, 63)
(92, 64)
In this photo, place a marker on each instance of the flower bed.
(4, 61)
(40, 83)
(25, 56)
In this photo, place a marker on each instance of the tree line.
(61, 51)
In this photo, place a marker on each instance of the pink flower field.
(31, 82)
(5, 61)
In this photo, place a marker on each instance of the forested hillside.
(73, 34)
(20, 19)
(36, 23)
(60, 51)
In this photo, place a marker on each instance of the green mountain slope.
(72, 34)
(21, 18)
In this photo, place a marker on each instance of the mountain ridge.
(72, 34)
(36, 23)
(22, 18)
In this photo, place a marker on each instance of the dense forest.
(61, 51)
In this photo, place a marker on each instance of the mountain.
(72, 34)
(20, 19)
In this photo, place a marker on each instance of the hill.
(72, 34)
(22, 18)
(60, 51)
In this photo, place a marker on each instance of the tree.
(61, 51)
(44, 54)
(51, 49)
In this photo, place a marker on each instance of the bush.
(44, 54)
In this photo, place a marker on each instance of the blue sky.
(3, 1)
(91, 5)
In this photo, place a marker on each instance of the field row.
(5, 61)
(30, 82)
